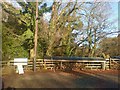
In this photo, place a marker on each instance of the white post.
(20, 62)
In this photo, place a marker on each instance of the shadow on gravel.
(92, 81)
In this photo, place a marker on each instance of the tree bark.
(35, 39)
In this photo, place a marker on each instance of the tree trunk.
(35, 39)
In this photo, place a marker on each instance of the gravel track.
(60, 79)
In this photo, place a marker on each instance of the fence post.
(61, 65)
(103, 65)
(109, 63)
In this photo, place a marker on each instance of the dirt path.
(58, 79)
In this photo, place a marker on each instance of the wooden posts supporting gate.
(103, 65)
(88, 64)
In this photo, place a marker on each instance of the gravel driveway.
(59, 79)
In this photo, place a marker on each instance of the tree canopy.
(74, 29)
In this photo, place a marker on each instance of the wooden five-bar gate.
(59, 63)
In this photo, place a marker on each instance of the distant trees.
(110, 46)
(95, 19)
(118, 44)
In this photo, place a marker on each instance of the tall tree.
(25, 16)
(95, 19)
(36, 37)
(11, 42)
(63, 21)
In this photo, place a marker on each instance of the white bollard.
(19, 62)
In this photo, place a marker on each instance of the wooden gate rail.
(51, 64)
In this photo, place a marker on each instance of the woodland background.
(76, 29)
